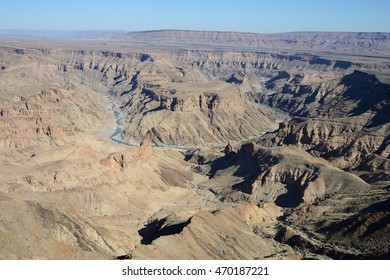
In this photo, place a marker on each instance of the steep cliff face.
(345, 143)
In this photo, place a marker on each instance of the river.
(118, 131)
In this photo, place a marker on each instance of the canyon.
(195, 145)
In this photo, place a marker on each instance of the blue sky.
(239, 15)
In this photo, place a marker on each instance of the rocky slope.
(321, 209)
(223, 234)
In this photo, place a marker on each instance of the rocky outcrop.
(122, 159)
(205, 101)
(286, 176)
(305, 180)
(225, 234)
(228, 149)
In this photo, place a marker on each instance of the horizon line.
(174, 29)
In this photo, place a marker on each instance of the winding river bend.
(118, 130)
(115, 136)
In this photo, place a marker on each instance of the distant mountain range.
(362, 43)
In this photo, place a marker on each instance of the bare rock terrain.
(200, 145)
